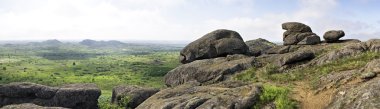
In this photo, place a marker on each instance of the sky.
(182, 20)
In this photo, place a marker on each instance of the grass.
(105, 71)
(277, 95)
(257, 74)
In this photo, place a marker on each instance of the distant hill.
(51, 42)
(94, 43)
(46, 43)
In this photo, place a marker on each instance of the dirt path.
(308, 99)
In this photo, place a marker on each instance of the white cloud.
(88, 19)
(269, 25)
(320, 16)
(366, 35)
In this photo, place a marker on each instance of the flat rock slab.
(209, 70)
(295, 57)
(225, 95)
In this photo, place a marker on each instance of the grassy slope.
(114, 67)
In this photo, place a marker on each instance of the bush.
(4, 68)
(105, 103)
(124, 101)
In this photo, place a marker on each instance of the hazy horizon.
(181, 20)
(181, 42)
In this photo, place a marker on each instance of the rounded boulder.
(333, 35)
(218, 43)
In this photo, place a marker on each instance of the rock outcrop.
(298, 33)
(29, 106)
(350, 94)
(209, 71)
(351, 49)
(218, 43)
(131, 96)
(77, 96)
(333, 35)
(259, 46)
(360, 96)
(225, 95)
(364, 96)
(373, 45)
(282, 49)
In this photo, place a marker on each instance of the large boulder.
(296, 27)
(218, 43)
(77, 96)
(333, 35)
(209, 70)
(29, 106)
(225, 95)
(259, 46)
(131, 96)
(299, 33)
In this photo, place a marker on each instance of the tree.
(74, 63)
(4, 68)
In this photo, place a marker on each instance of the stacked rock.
(333, 35)
(299, 34)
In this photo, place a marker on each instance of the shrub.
(105, 103)
(124, 101)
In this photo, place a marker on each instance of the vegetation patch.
(312, 73)
(258, 74)
(124, 101)
(279, 96)
(104, 101)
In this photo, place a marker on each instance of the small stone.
(342, 92)
(376, 70)
(368, 75)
